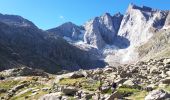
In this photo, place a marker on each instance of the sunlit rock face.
(139, 23)
(102, 30)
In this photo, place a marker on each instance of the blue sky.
(51, 13)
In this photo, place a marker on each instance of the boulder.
(129, 83)
(168, 73)
(157, 95)
(114, 95)
(154, 70)
(2, 90)
(76, 75)
(166, 61)
(98, 71)
(104, 89)
(166, 80)
(52, 96)
(108, 70)
(69, 90)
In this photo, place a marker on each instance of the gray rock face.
(157, 95)
(14, 20)
(69, 30)
(139, 22)
(102, 30)
(167, 21)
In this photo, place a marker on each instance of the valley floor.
(144, 80)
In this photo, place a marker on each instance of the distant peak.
(118, 14)
(106, 14)
(143, 8)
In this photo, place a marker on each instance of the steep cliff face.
(118, 37)
(139, 23)
(102, 30)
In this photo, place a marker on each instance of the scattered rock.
(52, 96)
(157, 95)
(69, 91)
(2, 90)
(114, 95)
(77, 75)
(166, 80)
(129, 83)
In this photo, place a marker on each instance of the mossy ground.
(84, 83)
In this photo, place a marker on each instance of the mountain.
(118, 38)
(139, 23)
(32, 47)
(107, 39)
(15, 20)
(102, 30)
(68, 30)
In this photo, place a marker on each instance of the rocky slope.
(32, 47)
(144, 80)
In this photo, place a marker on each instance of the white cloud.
(61, 17)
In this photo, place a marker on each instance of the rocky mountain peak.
(68, 30)
(102, 30)
(15, 20)
(142, 8)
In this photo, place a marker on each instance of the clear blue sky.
(51, 13)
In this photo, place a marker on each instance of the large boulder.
(77, 75)
(166, 80)
(157, 95)
(69, 91)
(52, 96)
(129, 83)
(114, 95)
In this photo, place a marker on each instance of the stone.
(157, 95)
(2, 90)
(114, 95)
(129, 83)
(108, 70)
(166, 80)
(76, 75)
(166, 61)
(98, 71)
(52, 96)
(69, 90)
(150, 87)
(168, 73)
(120, 80)
(104, 89)
(154, 70)
(45, 89)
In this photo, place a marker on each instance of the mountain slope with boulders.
(23, 45)
(132, 49)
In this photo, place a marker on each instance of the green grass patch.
(8, 84)
(125, 92)
(138, 95)
(84, 83)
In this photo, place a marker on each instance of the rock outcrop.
(102, 30)
(139, 23)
